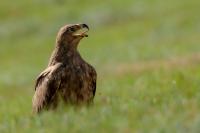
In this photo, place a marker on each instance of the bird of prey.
(67, 76)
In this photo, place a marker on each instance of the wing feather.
(93, 75)
(46, 86)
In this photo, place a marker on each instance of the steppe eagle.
(67, 76)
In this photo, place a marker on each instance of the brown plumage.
(67, 74)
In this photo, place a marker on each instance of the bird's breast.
(75, 75)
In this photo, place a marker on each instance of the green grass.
(128, 43)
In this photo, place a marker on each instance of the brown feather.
(46, 86)
(67, 75)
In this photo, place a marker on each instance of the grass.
(146, 54)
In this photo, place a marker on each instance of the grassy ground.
(146, 54)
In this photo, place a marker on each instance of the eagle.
(68, 76)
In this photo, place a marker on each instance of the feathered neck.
(64, 52)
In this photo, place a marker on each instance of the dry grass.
(167, 64)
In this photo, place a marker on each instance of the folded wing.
(47, 84)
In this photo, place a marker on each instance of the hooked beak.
(82, 31)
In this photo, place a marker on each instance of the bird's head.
(71, 34)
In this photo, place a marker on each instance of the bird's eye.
(71, 29)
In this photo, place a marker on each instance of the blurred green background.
(146, 53)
